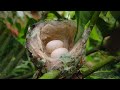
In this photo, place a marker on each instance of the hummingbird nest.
(42, 33)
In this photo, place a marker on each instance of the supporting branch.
(93, 66)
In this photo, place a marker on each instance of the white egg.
(58, 52)
(54, 44)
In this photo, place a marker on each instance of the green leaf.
(69, 14)
(96, 34)
(91, 44)
(82, 17)
(106, 23)
(93, 77)
(111, 19)
(94, 40)
(50, 75)
(51, 16)
(88, 46)
(89, 58)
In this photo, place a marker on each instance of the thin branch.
(87, 70)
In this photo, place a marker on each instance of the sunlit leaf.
(51, 16)
(50, 75)
(96, 34)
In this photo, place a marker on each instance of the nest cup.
(44, 32)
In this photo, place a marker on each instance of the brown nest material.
(42, 33)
